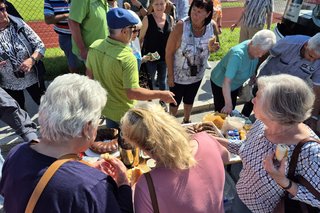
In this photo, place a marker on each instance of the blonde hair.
(155, 131)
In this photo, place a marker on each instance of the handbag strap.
(296, 153)
(152, 192)
(46, 177)
(293, 165)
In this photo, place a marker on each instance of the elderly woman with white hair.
(281, 105)
(68, 115)
(236, 67)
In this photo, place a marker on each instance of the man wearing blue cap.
(112, 63)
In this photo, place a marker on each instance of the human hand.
(214, 47)
(232, 27)
(26, 65)
(227, 109)
(116, 169)
(2, 63)
(170, 82)
(145, 58)
(277, 173)
(167, 97)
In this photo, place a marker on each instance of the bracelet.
(287, 187)
(314, 117)
(33, 59)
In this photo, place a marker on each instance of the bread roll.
(106, 156)
(281, 151)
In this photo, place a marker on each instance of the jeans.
(238, 206)
(161, 67)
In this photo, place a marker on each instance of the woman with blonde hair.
(189, 172)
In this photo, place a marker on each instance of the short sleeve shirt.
(115, 67)
(236, 65)
(256, 12)
(285, 57)
(91, 15)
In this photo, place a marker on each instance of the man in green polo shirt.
(87, 22)
(111, 62)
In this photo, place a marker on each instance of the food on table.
(281, 151)
(204, 126)
(151, 163)
(134, 174)
(242, 134)
(106, 156)
(106, 140)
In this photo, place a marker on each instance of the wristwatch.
(33, 59)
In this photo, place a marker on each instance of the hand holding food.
(281, 151)
(115, 168)
(213, 45)
(134, 174)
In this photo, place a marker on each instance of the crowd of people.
(171, 41)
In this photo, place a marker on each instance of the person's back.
(75, 186)
(198, 189)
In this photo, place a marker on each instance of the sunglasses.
(136, 31)
(3, 9)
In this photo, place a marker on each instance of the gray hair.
(314, 43)
(114, 32)
(265, 39)
(286, 99)
(70, 102)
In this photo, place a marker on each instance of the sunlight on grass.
(29, 10)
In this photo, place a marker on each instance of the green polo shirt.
(92, 17)
(115, 67)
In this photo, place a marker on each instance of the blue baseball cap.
(119, 18)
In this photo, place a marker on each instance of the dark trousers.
(248, 107)
(218, 99)
(35, 91)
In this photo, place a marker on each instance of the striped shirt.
(56, 7)
(256, 12)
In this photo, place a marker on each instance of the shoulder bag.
(287, 205)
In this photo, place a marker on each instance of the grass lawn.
(31, 10)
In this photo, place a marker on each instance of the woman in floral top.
(20, 49)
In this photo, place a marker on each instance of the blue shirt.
(236, 65)
(75, 187)
(56, 7)
(285, 57)
(182, 8)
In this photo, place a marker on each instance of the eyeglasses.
(3, 9)
(136, 31)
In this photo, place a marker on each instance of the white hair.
(286, 99)
(314, 43)
(265, 39)
(70, 102)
